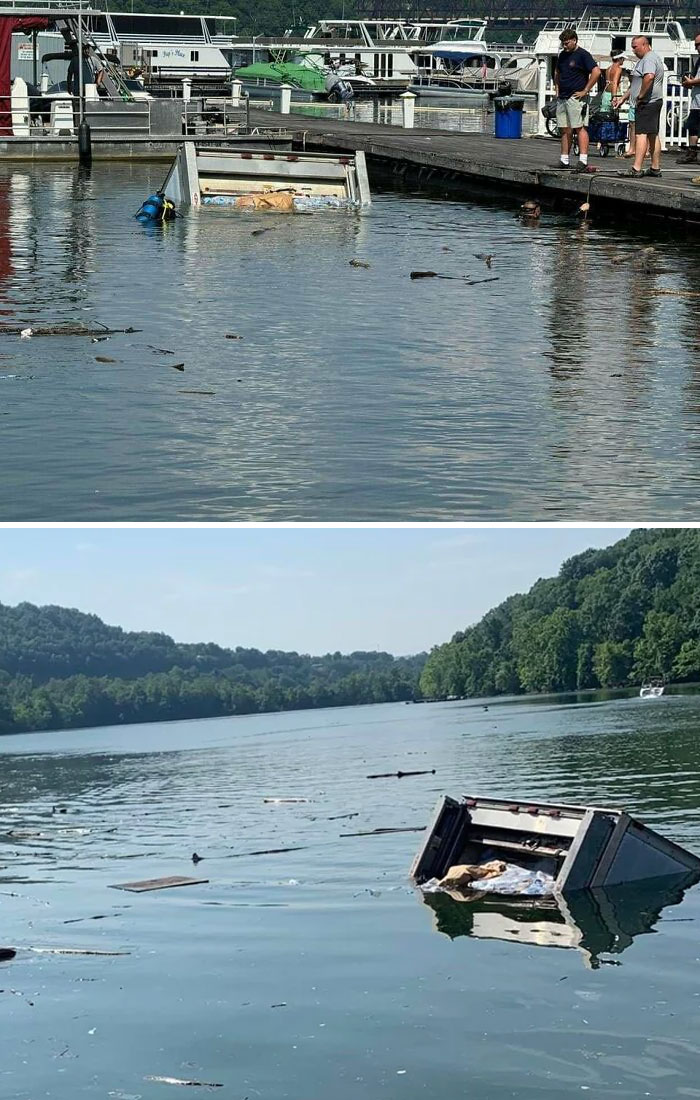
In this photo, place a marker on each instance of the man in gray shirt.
(646, 94)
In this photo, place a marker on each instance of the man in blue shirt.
(575, 73)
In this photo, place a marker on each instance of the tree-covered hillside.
(60, 668)
(611, 617)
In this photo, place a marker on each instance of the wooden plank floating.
(157, 884)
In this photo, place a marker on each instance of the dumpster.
(577, 847)
(508, 117)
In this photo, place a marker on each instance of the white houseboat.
(600, 33)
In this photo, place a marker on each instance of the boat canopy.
(458, 55)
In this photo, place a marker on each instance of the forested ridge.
(610, 618)
(60, 668)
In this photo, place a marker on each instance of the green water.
(372, 1000)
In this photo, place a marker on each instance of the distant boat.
(654, 689)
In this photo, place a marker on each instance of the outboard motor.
(339, 90)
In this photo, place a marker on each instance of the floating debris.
(77, 920)
(158, 883)
(233, 336)
(488, 259)
(105, 359)
(200, 393)
(26, 333)
(74, 951)
(177, 366)
(62, 330)
(196, 858)
(161, 351)
(277, 800)
(269, 851)
(359, 263)
(258, 232)
(7, 953)
(180, 1081)
(399, 775)
(381, 832)
(676, 293)
(459, 278)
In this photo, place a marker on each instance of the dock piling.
(408, 104)
(285, 99)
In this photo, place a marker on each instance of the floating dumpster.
(580, 847)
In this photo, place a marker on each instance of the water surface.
(320, 971)
(567, 389)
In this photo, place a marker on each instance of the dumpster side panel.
(644, 854)
(586, 851)
(444, 842)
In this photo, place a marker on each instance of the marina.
(377, 374)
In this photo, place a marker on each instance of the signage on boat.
(25, 51)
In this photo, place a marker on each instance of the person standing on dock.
(647, 96)
(693, 120)
(575, 73)
(613, 76)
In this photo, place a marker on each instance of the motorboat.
(372, 55)
(521, 71)
(453, 86)
(654, 689)
(305, 72)
(271, 181)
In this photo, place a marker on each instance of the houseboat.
(600, 33)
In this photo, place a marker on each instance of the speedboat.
(654, 689)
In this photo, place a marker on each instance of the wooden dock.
(525, 167)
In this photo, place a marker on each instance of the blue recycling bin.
(508, 117)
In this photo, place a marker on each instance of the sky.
(310, 590)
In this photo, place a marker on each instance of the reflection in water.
(596, 922)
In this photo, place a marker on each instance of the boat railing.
(44, 7)
(52, 118)
(610, 24)
(37, 116)
(510, 48)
